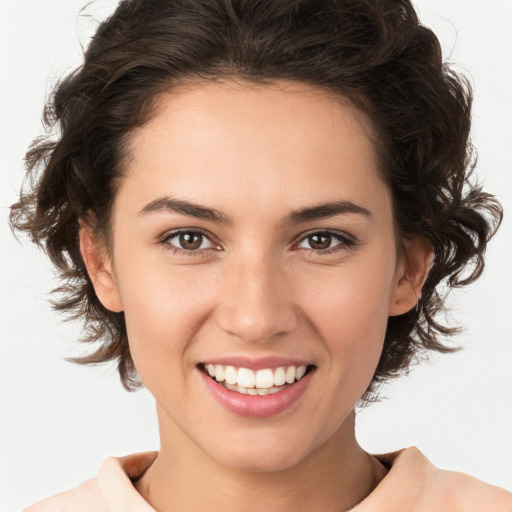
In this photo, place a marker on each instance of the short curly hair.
(374, 53)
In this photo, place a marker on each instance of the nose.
(255, 300)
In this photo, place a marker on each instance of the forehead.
(288, 142)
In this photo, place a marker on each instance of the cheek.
(350, 312)
(163, 311)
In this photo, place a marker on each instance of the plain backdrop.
(58, 421)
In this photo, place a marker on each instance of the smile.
(267, 389)
(265, 381)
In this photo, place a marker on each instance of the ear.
(412, 272)
(99, 268)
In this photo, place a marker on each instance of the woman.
(254, 206)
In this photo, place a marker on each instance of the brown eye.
(188, 241)
(320, 241)
(325, 242)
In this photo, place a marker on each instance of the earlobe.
(412, 273)
(99, 268)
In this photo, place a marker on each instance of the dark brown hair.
(372, 52)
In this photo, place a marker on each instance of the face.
(253, 241)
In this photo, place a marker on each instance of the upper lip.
(259, 363)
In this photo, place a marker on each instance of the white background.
(58, 421)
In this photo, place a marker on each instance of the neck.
(333, 478)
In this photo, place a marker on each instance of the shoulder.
(86, 493)
(110, 491)
(416, 485)
(457, 491)
(451, 491)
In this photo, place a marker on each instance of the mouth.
(265, 381)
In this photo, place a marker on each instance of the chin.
(260, 460)
(260, 453)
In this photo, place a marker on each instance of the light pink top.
(412, 485)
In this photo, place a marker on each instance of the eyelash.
(346, 242)
(165, 241)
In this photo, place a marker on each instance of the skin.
(256, 288)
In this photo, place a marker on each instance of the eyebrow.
(325, 210)
(197, 211)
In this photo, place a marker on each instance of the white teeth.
(279, 377)
(219, 373)
(230, 374)
(246, 378)
(262, 382)
(252, 391)
(290, 374)
(265, 378)
(238, 389)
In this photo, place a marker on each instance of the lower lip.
(256, 406)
